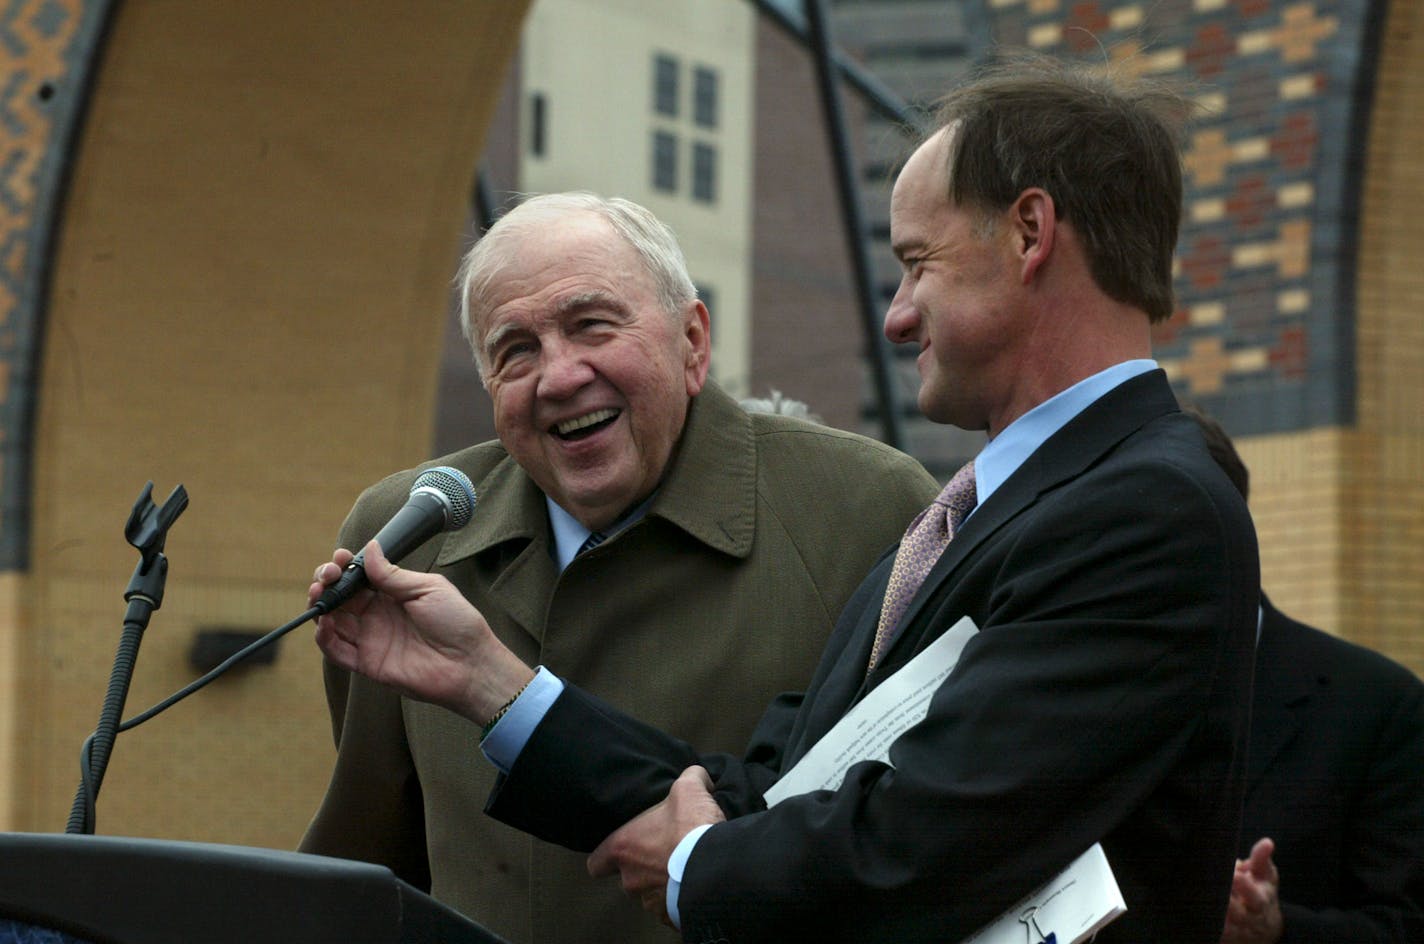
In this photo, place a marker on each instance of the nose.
(901, 319)
(564, 372)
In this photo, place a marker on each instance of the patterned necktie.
(924, 542)
(594, 539)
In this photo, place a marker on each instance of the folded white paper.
(1072, 906)
(867, 730)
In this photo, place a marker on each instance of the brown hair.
(1104, 146)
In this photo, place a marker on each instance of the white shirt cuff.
(677, 862)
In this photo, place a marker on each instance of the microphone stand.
(147, 529)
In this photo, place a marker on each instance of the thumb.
(387, 577)
(1260, 861)
(698, 775)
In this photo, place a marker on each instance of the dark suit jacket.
(1114, 580)
(1336, 778)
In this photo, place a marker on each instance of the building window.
(538, 135)
(665, 85)
(704, 172)
(664, 161)
(704, 97)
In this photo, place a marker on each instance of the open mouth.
(586, 425)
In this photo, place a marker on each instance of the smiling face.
(590, 376)
(957, 296)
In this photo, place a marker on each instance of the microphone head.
(455, 491)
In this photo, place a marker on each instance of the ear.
(1035, 222)
(697, 331)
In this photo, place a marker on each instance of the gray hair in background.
(777, 403)
(651, 239)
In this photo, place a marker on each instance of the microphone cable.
(442, 498)
(84, 818)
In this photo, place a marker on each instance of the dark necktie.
(925, 540)
(594, 539)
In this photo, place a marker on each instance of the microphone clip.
(147, 530)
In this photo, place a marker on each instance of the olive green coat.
(692, 619)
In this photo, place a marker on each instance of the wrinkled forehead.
(551, 257)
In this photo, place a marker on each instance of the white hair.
(651, 239)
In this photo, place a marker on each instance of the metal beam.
(848, 189)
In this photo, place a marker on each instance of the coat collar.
(709, 490)
(1066, 454)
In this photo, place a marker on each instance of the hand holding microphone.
(442, 499)
(415, 632)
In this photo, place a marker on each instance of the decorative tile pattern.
(46, 47)
(1265, 265)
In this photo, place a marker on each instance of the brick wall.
(1340, 510)
(1382, 564)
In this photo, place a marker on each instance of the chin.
(935, 408)
(948, 413)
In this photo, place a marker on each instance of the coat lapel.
(508, 542)
(1065, 455)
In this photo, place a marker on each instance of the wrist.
(502, 710)
(496, 677)
(494, 693)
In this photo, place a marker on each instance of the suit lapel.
(1066, 454)
(845, 682)
(1279, 709)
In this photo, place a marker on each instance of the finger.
(693, 787)
(692, 792)
(383, 575)
(334, 646)
(698, 775)
(601, 863)
(328, 573)
(1240, 883)
(1260, 860)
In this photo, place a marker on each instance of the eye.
(510, 354)
(592, 322)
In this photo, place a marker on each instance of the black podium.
(113, 890)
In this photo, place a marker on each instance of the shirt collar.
(569, 533)
(1007, 451)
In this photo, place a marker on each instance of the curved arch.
(247, 296)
